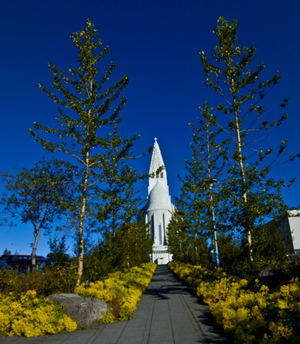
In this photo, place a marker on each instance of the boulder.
(83, 310)
(265, 277)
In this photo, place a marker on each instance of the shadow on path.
(168, 313)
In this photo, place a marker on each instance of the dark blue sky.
(156, 44)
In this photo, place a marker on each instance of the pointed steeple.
(156, 159)
(159, 207)
(155, 164)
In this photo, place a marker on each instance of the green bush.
(53, 281)
(283, 273)
(58, 252)
(121, 289)
(250, 317)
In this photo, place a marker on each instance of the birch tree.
(253, 196)
(85, 106)
(197, 202)
(39, 196)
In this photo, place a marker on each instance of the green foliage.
(86, 109)
(130, 246)
(96, 264)
(38, 196)
(271, 245)
(6, 251)
(58, 252)
(185, 248)
(252, 195)
(108, 318)
(283, 273)
(205, 167)
(177, 235)
(258, 316)
(127, 241)
(53, 281)
(199, 204)
(231, 253)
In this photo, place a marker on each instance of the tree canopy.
(86, 108)
(252, 195)
(231, 146)
(39, 196)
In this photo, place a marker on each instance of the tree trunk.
(196, 249)
(81, 221)
(128, 249)
(244, 196)
(37, 233)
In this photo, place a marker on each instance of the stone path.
(168, 313)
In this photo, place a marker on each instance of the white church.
(159, 207)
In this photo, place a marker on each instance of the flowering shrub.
(108, 318)
(121, 289)
(249, 316)
(30, 316)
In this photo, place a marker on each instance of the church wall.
(294, 226)
(289, 226)
(161, 221)
(160, 254)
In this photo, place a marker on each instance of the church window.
(157, 174)
(160, 234)
(164, 227)
(162, 175)
(152, 226)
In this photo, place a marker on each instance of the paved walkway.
(168, 313)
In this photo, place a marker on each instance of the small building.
(159, 207)
(290, 226)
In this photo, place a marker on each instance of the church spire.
(156, 159)
(159, 207)
(155, 164)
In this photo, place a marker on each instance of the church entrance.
(160, 261)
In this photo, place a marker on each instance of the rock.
(265, 277)
(83, 310)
